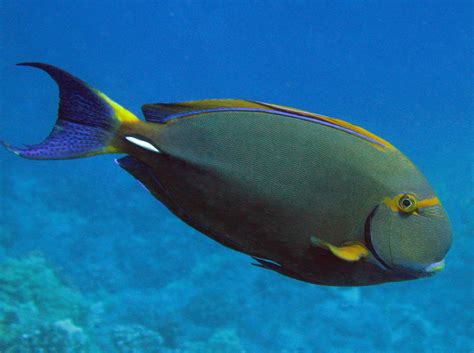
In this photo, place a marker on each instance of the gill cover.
(409, 241)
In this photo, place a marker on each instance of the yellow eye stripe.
(393, 203)
(428, 202)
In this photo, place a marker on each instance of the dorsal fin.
(356, 130)
(164, 112)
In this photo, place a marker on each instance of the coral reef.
(222, 341)
(136, 339)
(38, 311)
(41, 313)
(58, 337)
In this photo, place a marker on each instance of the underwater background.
(90, 262)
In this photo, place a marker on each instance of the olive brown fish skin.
(264, 180)
(276, 197)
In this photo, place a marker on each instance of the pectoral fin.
(349, 251)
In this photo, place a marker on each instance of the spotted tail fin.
(87, 122)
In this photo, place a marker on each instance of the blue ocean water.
(90, 262)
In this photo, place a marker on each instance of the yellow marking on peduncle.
(122, 114)
(111, 149)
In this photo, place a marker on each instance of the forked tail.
(87, 122)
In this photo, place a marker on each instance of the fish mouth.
(369, 242)
(419, 271)
(426, 271)
(435, 267)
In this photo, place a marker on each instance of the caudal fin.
(87, 121)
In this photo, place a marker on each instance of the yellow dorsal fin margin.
(162, 112)
(335, 121)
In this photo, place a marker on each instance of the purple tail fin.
(86, 125)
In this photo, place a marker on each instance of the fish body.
(311, 197)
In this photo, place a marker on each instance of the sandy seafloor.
(90, 262)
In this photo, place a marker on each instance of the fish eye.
(407, 203)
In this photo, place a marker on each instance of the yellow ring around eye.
(407, 203)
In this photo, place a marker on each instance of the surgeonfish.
(308, 196)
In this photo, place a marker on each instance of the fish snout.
(414, 270)
(413, 245)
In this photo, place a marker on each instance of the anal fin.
(279, 268)
(140, 171)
